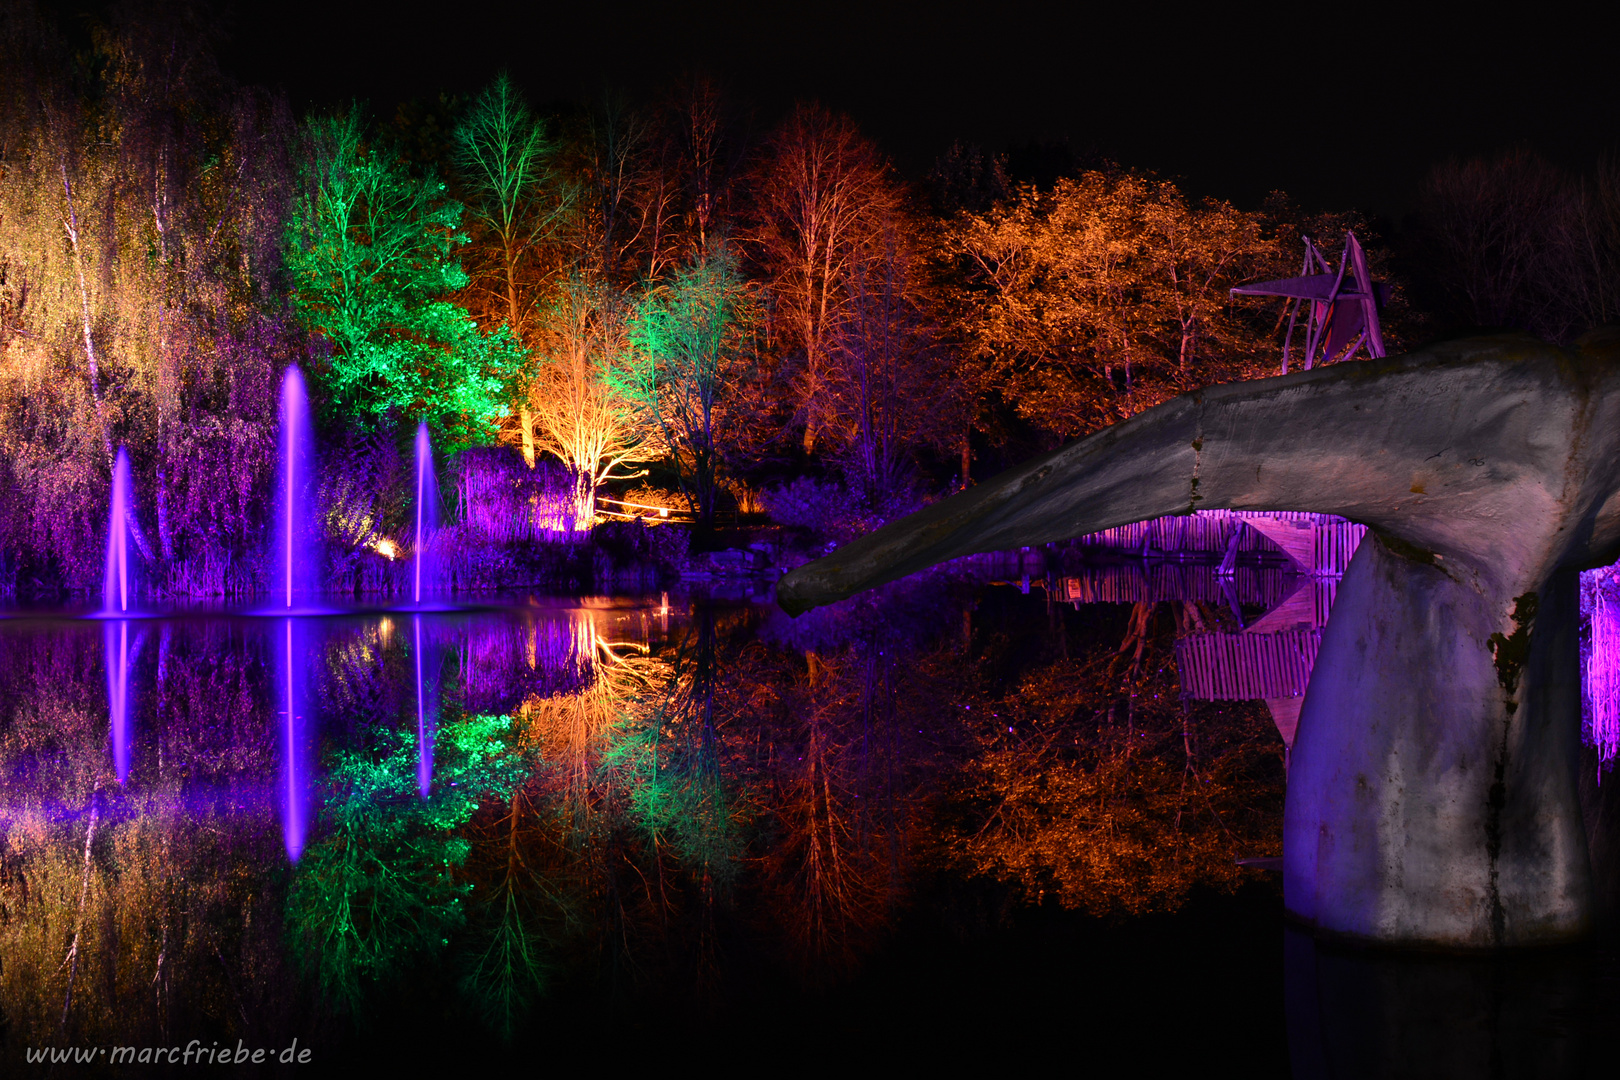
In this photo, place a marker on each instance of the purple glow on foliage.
(504, 500)
(1600, 690)
(508, 660)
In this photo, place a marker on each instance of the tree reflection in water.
(608, 802)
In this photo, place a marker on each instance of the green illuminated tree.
(687, 337)
(369, 255)
(504, 156)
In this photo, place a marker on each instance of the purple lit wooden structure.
(1343, 305)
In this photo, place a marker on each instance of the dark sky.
(1338, 103)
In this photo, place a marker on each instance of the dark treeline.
(654, 291)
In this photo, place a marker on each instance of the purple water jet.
(116, 583)
(296, 573)
(427, 517)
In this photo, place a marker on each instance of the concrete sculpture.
(1432, 798)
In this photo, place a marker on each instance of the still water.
(995, 811)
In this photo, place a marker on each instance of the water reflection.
(117, 651)
(300, 817)
(1354, 1012)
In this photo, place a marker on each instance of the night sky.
(1340, 104)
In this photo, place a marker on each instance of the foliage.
(376, 891)
(1102, 296)
(688, 337)
(139, 211)
(1515, 241)
(369, 256)
(823, 197)
(831, 511)
(499, 499)
(506, 159)
(892, 388)
(577, 404)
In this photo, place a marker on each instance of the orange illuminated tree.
(820, 200)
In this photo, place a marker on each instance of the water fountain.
(427, 517)
(296, 568)
(116, 583)
(115, 597)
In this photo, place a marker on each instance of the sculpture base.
(1432, 795)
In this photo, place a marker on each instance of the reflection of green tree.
(661, 758)
(623, 814)
(375, 892)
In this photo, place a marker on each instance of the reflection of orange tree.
(623, 816)
(1092, 783)
(841, 776)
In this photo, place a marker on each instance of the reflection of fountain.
(115, 585)
(295, 767)
(427, 505)
(116, 637)
(426, 713)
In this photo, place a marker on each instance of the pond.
(1027, 803)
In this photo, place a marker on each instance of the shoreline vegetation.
(653, 302)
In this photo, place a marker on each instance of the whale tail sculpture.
(1432, 792)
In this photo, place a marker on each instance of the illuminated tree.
(369, 255)
(687, 336)
(820, 201)
(576, 402)
(627, 221)
(505, 158)
(707, 155)
(1102, 296)
(140, 221)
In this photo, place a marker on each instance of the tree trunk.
(71, 224)
(526, 425)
